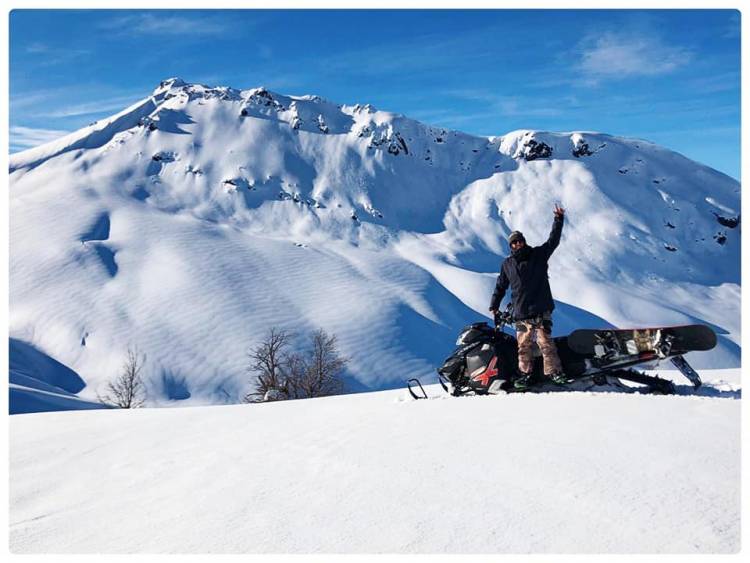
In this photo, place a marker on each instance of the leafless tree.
(127, 391)
(280, 373)
(267, 367)
(295, 368)
(323, 373)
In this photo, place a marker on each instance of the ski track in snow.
(380, 473)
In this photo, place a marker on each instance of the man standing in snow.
(525, 271)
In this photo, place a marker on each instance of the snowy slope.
(378, 472)
(193, 221)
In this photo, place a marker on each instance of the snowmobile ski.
(686, 369)
(412, 384)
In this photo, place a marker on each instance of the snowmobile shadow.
(680, 391)
(435, 393)
(708, 391)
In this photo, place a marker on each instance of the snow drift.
(199, 217)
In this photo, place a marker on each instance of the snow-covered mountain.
(194, 220)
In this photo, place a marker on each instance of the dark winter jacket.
(525, 271)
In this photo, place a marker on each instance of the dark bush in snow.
(281, 373)
(268, 364)
(127, 390)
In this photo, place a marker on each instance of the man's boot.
(559, 378)
(522, 382)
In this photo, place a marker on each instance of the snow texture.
(191, 222)
(380, 473)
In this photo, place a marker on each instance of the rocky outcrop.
(384, 139)
(260, 99)
(532, 149)
(730, 222)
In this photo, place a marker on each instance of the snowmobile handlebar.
(503, 318)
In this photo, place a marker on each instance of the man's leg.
(524, 335)
(552, 365)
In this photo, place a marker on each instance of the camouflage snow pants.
(542, 327)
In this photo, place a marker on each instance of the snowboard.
(664, 341)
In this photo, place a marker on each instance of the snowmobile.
(486, 360)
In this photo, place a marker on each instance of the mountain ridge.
(247, 204)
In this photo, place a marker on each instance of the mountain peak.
(169, 83)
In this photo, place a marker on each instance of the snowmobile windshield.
(473, 333)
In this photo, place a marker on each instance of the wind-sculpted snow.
(200, 217)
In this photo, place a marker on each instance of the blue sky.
(669, 76)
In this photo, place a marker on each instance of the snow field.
(380, 473)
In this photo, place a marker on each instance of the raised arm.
(554, 236)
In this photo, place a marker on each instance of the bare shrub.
(127, 391)
(323, 373)
(281, 373)
(266, 365)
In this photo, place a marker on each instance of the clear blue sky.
(669, 76)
